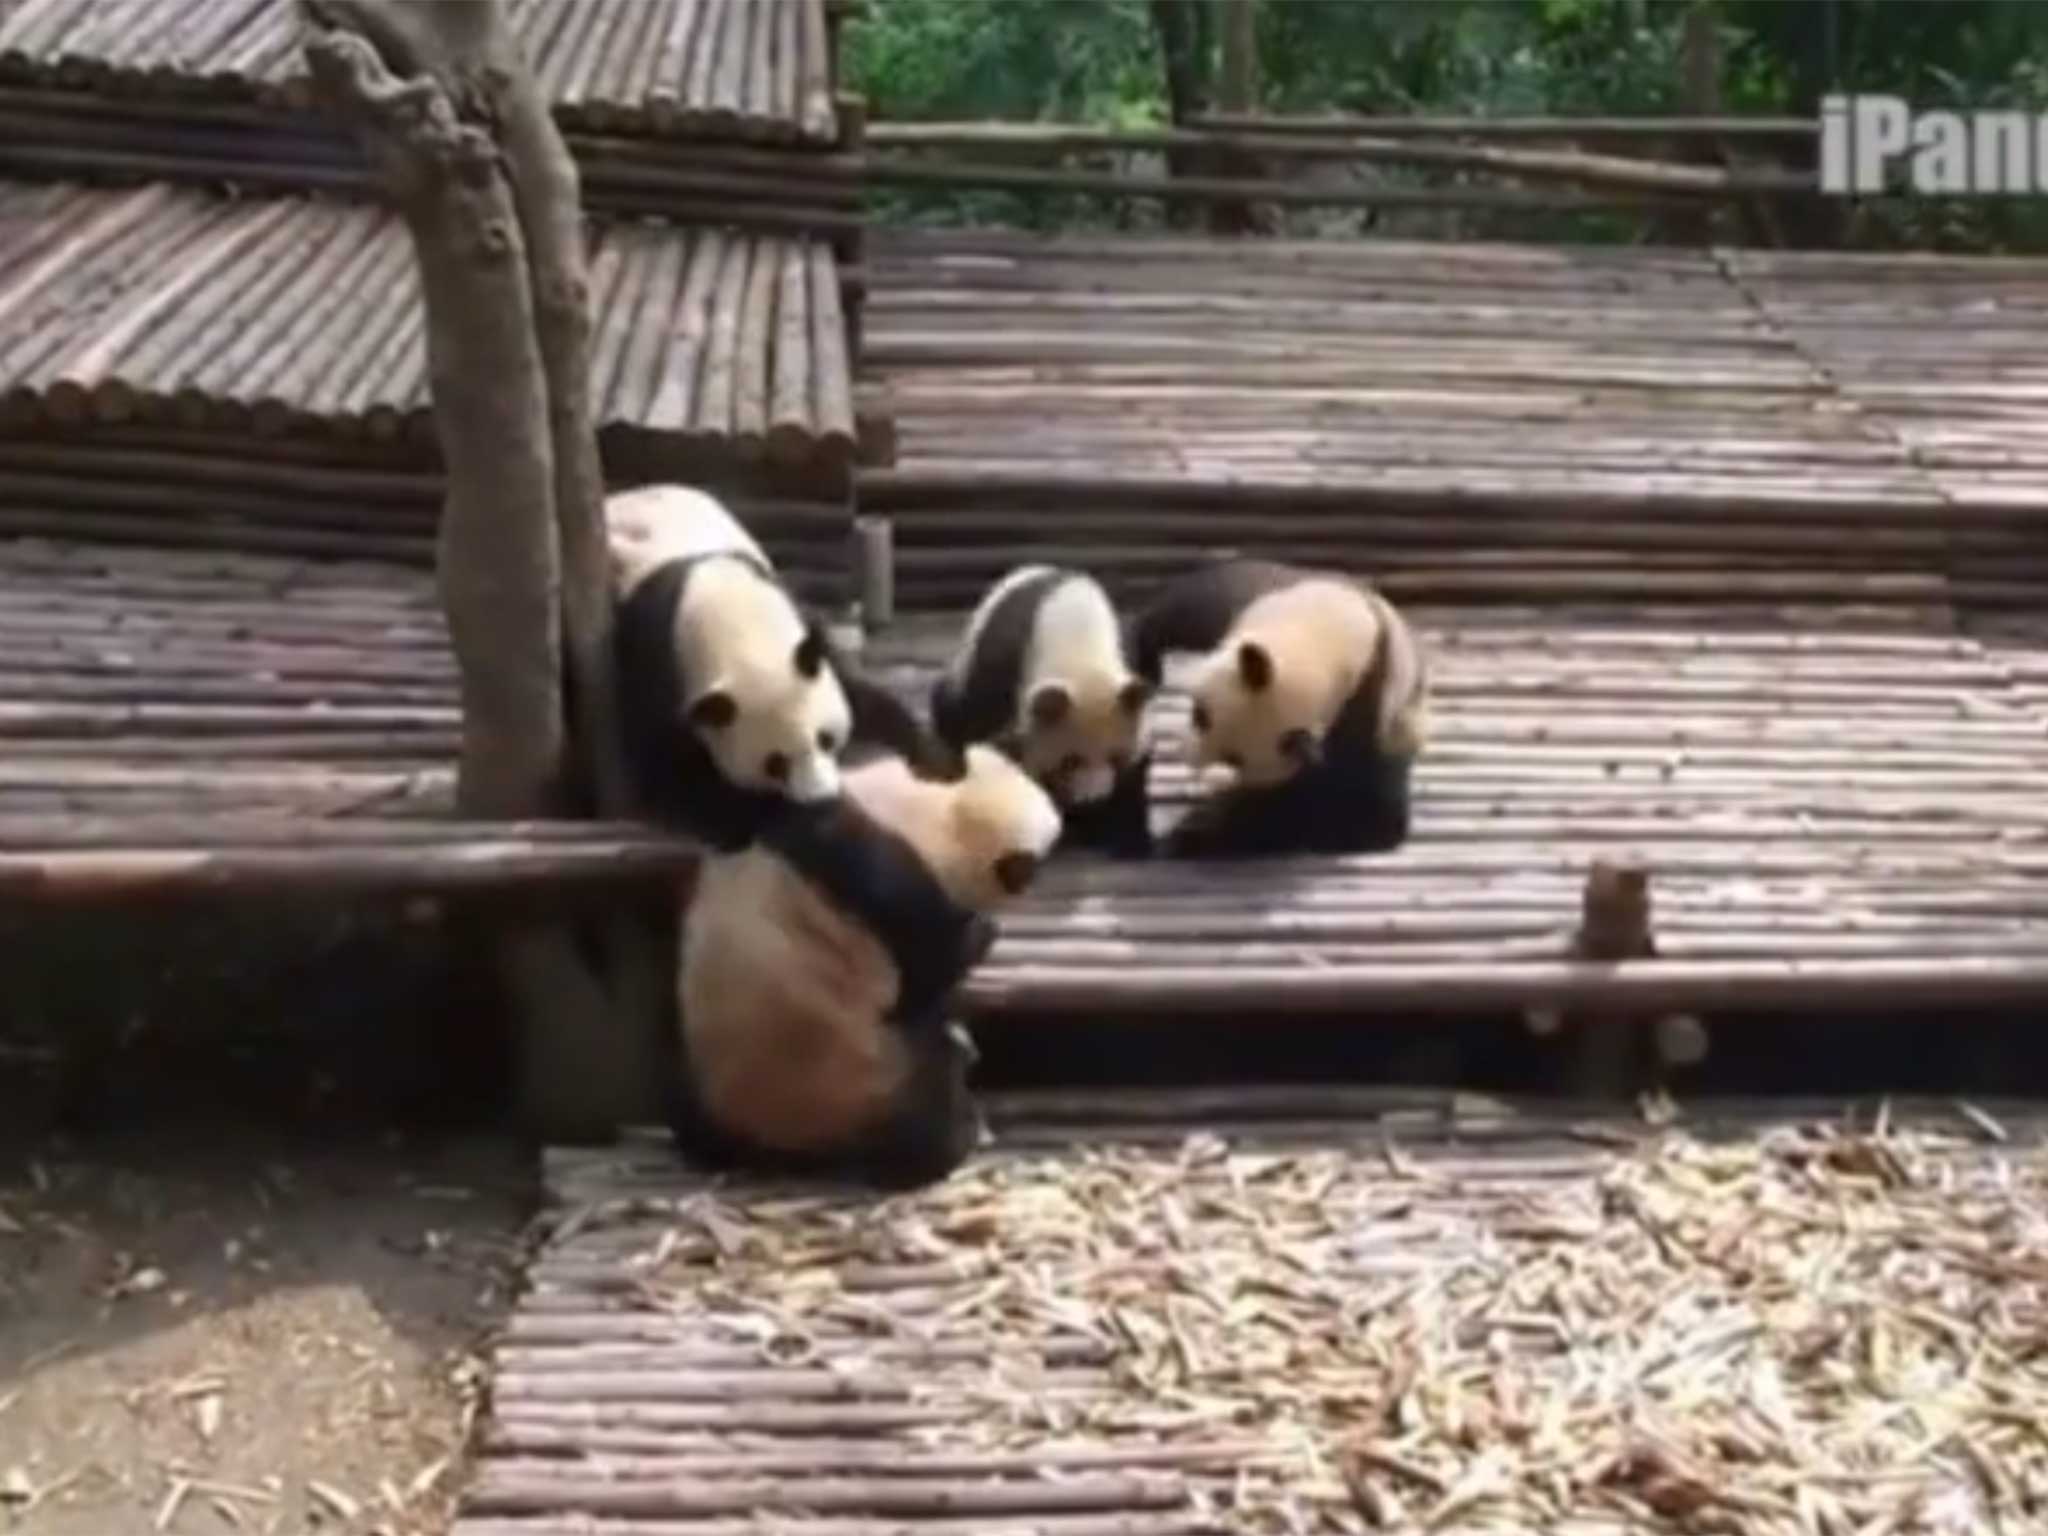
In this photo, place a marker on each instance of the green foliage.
(1098, 62)
(1091, 61)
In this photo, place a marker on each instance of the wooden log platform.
(731, 70)
(1325, 1312)
(1837, 810)
(1468, 423)
(194, 723)
(166, 306)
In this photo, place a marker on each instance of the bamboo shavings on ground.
(1810, 1331)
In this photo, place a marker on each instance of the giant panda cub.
(1312, 690)
(1042, 673)
(818, 964)
(732, 699)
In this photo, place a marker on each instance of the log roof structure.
(164, 304)
(217, 456)
(744, 71)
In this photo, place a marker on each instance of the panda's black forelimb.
(1118, 825)
(882, 722)
(879, 879)
(932, 1129)
(1352, 802)
(1194, 611)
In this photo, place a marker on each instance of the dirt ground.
(236, 1334)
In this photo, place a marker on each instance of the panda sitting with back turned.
(1041, 671)
(1312, 689)
(817, 967)
(732, 699)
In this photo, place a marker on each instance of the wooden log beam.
(1611, 173)
(1355, 991)
(970, 485)
(1795, 129)
(910, 173)
(503, 866)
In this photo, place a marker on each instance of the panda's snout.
(1090, 783)
(1015, 872)
(814, 776)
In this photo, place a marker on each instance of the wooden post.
(1238, 90)
(875, 561)
(1699, 92)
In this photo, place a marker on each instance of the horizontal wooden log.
(973, 485)
(581, 1355)
(1606, 172)
(1524, 127)
(492, 1494)
(766, 1418)
(532, 1454)
(455, 868)
(822, 208)
(1922, 983)
(915, 173)
(971, 1525)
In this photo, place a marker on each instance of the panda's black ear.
(810, 653)
(713, 710)
(1050, 704)
(1255, 666)
(1134, 696)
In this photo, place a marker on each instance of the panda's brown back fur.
(775, 1060)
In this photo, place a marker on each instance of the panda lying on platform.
(817, 966)
(732, 699)
(1312, 689)
(1041, 672)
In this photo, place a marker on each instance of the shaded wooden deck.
(1707, 602)
(1345, 1313)
(1465, 422)
(1830, 811)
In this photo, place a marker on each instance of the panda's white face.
(785, 738)
(771, 712)
(1263, 722)
(1079, 734)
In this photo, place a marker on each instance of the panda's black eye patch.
(827, 741)
(810, 655)
(776, 766)
(1201, 714)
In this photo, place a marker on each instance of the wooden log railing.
(995, 156)
(1534, 129)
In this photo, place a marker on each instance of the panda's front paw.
(982, 933)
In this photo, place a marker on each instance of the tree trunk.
(1185, 59)
(1239, 93)
(1699, 95)
(520, 552)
